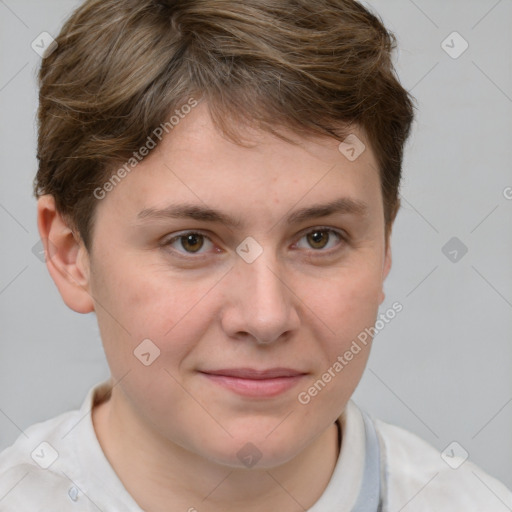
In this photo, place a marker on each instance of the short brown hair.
(121, 66)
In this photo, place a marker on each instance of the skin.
(297, 305)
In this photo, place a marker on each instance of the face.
(250, 270)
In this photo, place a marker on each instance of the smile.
(256, 383)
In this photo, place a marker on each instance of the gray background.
(442, 367)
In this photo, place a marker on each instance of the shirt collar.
(355, 484)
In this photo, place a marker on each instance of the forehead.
(197, 133)
(198, 165)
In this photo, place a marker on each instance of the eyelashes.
(196, 244)
(318, 240)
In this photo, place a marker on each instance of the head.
(169, 133)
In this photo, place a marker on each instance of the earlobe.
(67, 259)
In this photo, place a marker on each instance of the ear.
(67, 259)
(386, 267)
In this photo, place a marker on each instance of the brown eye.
(192, 242)
(189, 243)
(321, 240)
(318, 239)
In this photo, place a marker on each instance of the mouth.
(256, 383)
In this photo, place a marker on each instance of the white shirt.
(58, 465)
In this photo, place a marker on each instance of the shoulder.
(418, 477)
(44, 468)
(34, 466)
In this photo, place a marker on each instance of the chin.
(254, 451)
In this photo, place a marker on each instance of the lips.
(255, 383)
(250, 373)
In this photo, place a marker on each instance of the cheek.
(148, 303)
(347, 303)
(348, 306)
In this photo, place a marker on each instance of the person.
(218, 182)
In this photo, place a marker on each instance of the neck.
(156, 472)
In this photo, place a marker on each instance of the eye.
(189, 243)
(193, 242)
(320, 238)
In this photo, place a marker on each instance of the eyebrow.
(344, 205)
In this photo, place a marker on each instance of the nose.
(260, 304)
